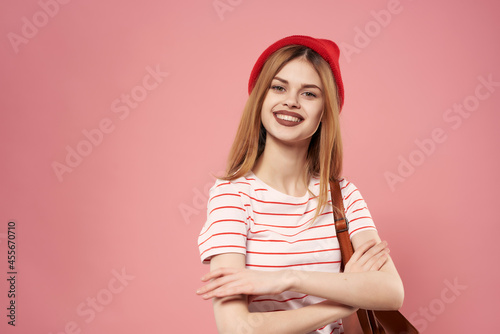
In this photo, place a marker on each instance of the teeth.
(288, 118)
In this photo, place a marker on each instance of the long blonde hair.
(324, 156)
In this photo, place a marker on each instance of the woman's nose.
(291, 100)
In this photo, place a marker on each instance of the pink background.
(136, 202)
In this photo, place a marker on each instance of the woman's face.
(293, 105)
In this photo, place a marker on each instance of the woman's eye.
(278, 88)
(309, 94)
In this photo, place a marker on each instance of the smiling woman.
(294, 99)
(269, 236)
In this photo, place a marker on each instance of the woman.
(270, 236)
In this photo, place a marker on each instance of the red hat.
(325, 48)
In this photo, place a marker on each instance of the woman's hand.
(231, 281)
(370, 256)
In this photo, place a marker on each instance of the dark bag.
(376, 322)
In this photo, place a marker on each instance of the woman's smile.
(288, 118)
(294, 101)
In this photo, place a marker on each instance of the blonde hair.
(324, 156)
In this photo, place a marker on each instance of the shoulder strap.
(375, 322)
(341, 223)
(366, 318)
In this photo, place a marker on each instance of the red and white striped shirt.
(273, 230)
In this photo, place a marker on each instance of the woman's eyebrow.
(303, 85)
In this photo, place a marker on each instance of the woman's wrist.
(292, 279)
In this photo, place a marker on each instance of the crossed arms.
(370, 280)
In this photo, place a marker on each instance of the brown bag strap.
(369, 320)
(341, 223)
(366, 317)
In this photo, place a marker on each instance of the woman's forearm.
(232, 314)
(376, 290)
(370, 280)
(298, 321)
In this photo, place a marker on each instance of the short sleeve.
(356, 210)
(225, 230)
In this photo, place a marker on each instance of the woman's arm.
(370, 279)
(360, 285)
(232, 315)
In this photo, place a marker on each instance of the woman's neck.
(283, 167)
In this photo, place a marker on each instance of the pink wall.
(107, 243)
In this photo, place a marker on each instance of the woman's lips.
(287, 118)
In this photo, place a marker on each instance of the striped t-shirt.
(273, 230)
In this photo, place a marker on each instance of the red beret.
(325, 48)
